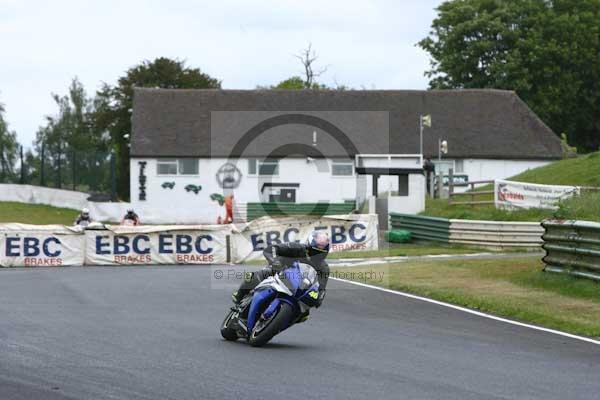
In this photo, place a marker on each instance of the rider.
(313, 252)
(84, 217)
(131, 218)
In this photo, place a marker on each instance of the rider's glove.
(277, 266)
(319, 300)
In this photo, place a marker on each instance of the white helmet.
(85, 211)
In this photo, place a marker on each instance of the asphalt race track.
(152, 333)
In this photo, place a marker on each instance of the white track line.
(467, 310)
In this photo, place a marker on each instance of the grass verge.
(583, 207)
(516, 288)
(35, 214)
(580, 171)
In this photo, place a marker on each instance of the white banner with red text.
(164, 244)
(23, 245)
(353, 232)
(510, 195)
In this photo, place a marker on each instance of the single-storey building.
(192, 148)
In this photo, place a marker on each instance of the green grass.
(581, 171)
(35, 214)
(516, 288)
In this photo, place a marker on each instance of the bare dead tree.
(307, 57)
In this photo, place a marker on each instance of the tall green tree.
(75, 149)
(295, 83)
(8, 150)
(115, 103)
(548, 51)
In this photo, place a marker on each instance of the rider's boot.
(249, 283)
(239, 294)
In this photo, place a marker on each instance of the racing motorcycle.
(274, 305)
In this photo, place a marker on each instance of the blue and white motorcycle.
(274, 305)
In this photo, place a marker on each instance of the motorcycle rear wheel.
(264, 331)
(227, 332)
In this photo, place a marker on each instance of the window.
(342, 168)
(252, 166)
(166, 167)
(443, 166)
(459, 166)
(188, 166)
(264, 168)
(268, 168)
(183, 166)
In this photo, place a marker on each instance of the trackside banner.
(23, 245)
(165, 244)
(352, 232)
(510, 194)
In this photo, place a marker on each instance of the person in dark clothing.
(313, 253)
(84, 218)
(131, 218)
(429, 169)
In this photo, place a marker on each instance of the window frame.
(342, 163)
(259, 163)
(179, 160)
(176, 162)
(171, 161)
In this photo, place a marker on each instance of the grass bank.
(584, 207)
(36, 214)
(516, 288)
(581, 171)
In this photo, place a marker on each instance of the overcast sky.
(44, 44)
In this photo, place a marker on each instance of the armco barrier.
(478, 233)
(572, 247)
(257, 210)
(425, 228)
(496, 233)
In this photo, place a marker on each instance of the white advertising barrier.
(509, 194)
(353, 232)
(24, 245)
(165, 244)
(43, 195)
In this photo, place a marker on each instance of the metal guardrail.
(477, 233)
(424, 228)
(496, 233)
(257, 210)
(572, 247)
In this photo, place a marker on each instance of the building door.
(287, 195)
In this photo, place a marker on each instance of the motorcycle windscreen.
(308, 275)
(298, 278)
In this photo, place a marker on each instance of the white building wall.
(314, 177)
(480, 169)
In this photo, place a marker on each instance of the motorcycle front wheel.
(227, 332)
(265, 329)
